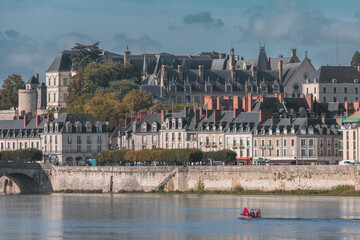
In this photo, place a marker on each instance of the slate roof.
(33, 80)
(326, 74)
(61, 63)
(76, 117)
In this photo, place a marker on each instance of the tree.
(85, 54)
(9, 94)
(106, 107)
(121, 88)
(355, 61)
(137, 100)
(157, 107)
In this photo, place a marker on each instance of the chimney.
(358, 68)
(356, 106)
(127, 121)
(25, 121)
(236, 112)
(280, 66)
(264, 114)
(196, 115)
(254, 72)
(121, 123)
(185, 112)
(244, 103)
(37, 76)
(181, 73)
(262, 98)
(281, 97)
(249, 102)
(309, 100)
(236, 102)
(218, 105)
(162, 115)
(200, 111)
(209, 101)
(127, 55)
(134, 126)
(143, 115)
(48, 117)
(217, 115)
(164, 75)
(233, 73)
(291, 118)
(201, 72)
(208, 113)
(323, 118)
(302, 95)
(37, 120)
(293, 52)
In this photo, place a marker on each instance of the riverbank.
(343, 190)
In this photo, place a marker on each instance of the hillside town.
(268, 110)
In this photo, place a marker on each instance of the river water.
(165, 216)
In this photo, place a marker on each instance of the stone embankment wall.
(265, 178)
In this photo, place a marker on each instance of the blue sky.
(32, 32)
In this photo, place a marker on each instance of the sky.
(33, 32)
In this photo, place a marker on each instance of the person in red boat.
(245, 212)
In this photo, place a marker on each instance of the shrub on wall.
(224, 155)
(21, 155)
(111, 156)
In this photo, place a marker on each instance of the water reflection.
(153, 216)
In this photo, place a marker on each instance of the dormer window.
(270, 132)
(293, 131)
(285, 131)
(277, 131)
(78, 127)
(51, 127)
(154, 127)
(173, 123)
(98, 127)
(56, 128)
(144, 127)
(88, 127)
(180, 123)
(263, 131)
(45, 128)
(334, 80)
(356, 80)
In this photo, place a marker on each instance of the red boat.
(246, 217)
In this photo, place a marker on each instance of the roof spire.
(306, 54)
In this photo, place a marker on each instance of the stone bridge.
(35, 178)
(24, 177)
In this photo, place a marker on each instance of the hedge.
(21, 155)
(177, 156)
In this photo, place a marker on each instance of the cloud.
(24, 55)
(143, 44)
(295, 22)
(204, 19)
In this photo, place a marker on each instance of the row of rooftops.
(66, 122)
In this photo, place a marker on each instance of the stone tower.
(28, 96)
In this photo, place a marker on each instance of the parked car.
(347, 162)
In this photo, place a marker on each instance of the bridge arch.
(15, 183)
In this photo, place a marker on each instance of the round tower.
(28, 96)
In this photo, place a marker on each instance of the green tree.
(9, 93)
(355, 61)
(121, 88)
(106, 107)
(85, 54)
(137, 100)
(157, 107)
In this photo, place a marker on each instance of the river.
(176, 216)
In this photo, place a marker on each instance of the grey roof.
(326, 74)
(33, 80)
(289, 69)
(263, 62)
(61, 63)
(12, 124)
(218, 64)
(76, 117)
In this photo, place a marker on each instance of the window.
(345, 99)
(270, 142)
(154, 139)
(32, 145)
(324, 98)
(255, 143)
(88, 140)
(37, 144)
(345, 90)
(214, 140)
(26, 145)
(277, 152)
(78, 139)
(307, 91)
(335, 99)
(54, 97)
(314, 90)
(207, 141)
(88, 128)
(179, 136)
(356, 90)
(173, 136)
(99, 140)
(354, 135)
(270, 152)
(78, 128)
(277, 142)
(65, 82)
(49, 97)
(311, 152)
(69, 140)
(303, 142)
(201, 141)
(285, 152)
(303, 152)
(78, 148)
(329, 141)
(292, 152)
(292, 142)
(255, 153)
(166, 137)
(54, 81)
(285, 142)
(144, 139)
(20, 145)
(99, 148)
(324, 89)
(88, 148)
(262, 142)
(56, 140)
(329, 152)
(311, 142)
(220, 140)
(334, 89)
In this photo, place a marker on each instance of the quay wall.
(265, 178)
